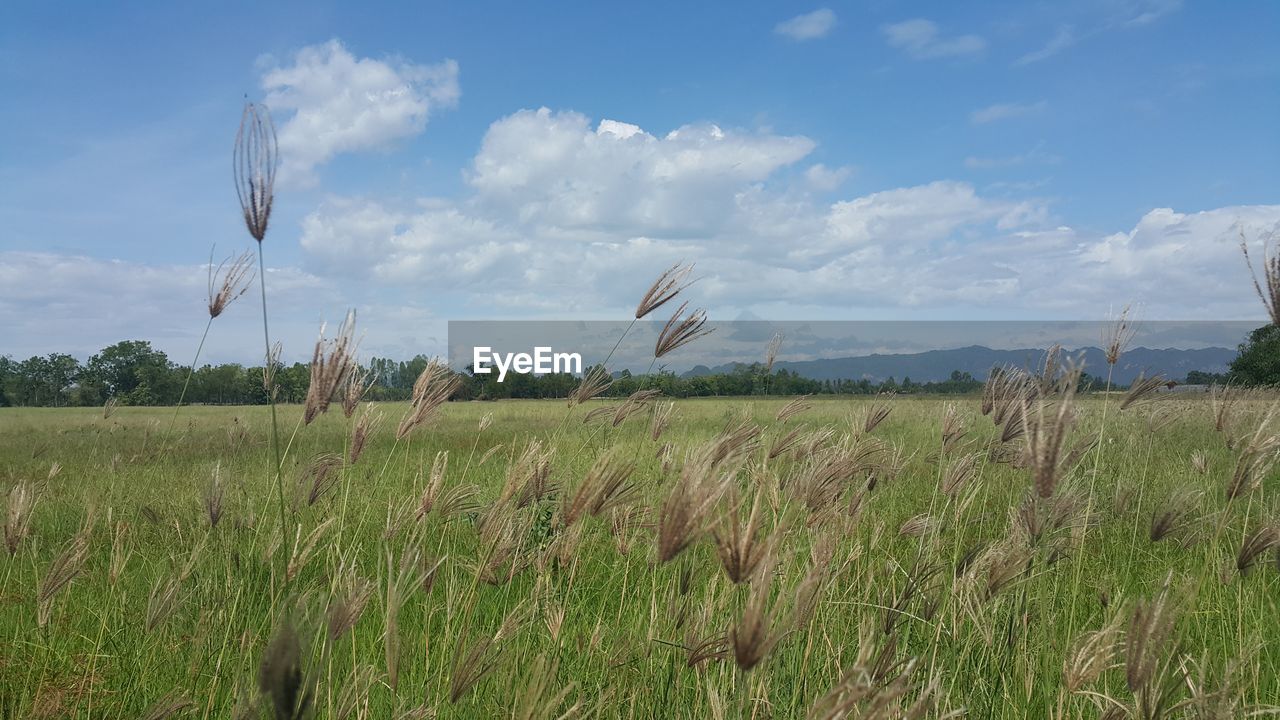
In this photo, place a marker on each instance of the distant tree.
(1259, 360)
(134, 373)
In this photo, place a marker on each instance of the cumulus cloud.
(808, 26)
(341, 103)
(1006, 111)
(923, 40)
(571, 217)
(554, 169)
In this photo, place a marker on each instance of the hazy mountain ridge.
(936, 365)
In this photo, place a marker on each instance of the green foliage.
(1259, 359)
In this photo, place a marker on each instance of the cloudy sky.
(884, 160)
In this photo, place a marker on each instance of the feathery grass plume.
(431, 390)
(163, 599)
(703, 481)
(739, 545)
(662, 413)
(1094, 653)
(713, 647)
(960, 473)
(793, 408)
(681, 330)
(234, 276)
(1256, 458)
(1176, 514)
(1117, 335)
(1255, 544)
(1222, 398)
(1200, 462)
(332, 364)
(529, 477)
(953, 428)
(918, 525)
(1047, 434)
(669, 284)
(319, 477)
(824, 479)
(365, 426)
(282, 679)
(762, 624)
(17, 523)
(634, 402)
(479, 659)
(63, 570)
(213, 496)
(345, 610)
(171, 705)
(599, 413)
(305, 550)
(876, 414)
(435, 481)
(359, 380)
(1051, 367)
(771, 352)
(109, 408)
(1006, 392)
(1142, 388)
(607, 486)
(256, 158)
(1268, 287)
(997, 567)
(785, 443)
(594, 381)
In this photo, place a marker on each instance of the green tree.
(1259, 360)
(134, 373)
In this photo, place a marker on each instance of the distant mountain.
(936, 365)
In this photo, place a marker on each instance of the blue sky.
(496, 160)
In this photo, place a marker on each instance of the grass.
(486, 605)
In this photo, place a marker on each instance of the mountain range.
(937, 365)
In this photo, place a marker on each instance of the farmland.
(880, 557)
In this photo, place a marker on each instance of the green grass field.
(876, 593)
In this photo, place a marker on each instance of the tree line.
(132, 372)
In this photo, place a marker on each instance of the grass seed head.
(255, 160)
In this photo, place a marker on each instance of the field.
(910, 565)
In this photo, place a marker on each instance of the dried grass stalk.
(234, 275)
(681, 330)
(669, 284)
(1268, 287)
(255, 160)
(433, 388)
(332, 363)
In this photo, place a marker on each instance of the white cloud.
(808, 26)
(1006, 111)
(54, 302)
(341, 103)
(821, 177)
(1065, 38)
(922, 40)
(552, 168)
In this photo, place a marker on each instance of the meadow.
(1029, 553)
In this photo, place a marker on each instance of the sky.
(461, 161)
